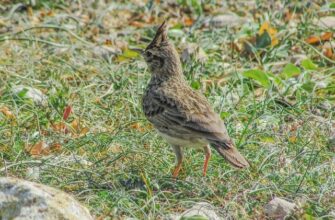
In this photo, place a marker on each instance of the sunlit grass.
(121, 167)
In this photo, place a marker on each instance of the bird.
(181, 115)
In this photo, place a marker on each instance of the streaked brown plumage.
(181, 115)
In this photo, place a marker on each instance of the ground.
(71, 117)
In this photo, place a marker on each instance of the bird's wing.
(192, 115)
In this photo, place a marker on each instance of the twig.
(36, 40)
(52, 27)
(19, 163)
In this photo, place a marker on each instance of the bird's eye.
(148, 54)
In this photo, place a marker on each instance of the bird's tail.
(230, 153)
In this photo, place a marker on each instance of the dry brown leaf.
(316, 40)
(188, 21)
(7, 112)
(50, 13)
(41, 148)
(78, 129)
(137, 24)
(287, 16)
(75, 124)
(137, 126)
(108, 42)
(36, 149)
(313, 40)
(84, 131)
(67, 112)
(60, 127)
(56, 147)
(326, 36)
(328, 52)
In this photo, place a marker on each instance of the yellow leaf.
(264, 27)
(78, 129)
(271, 31)
(292, 139)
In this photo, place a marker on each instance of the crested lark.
(179, 114)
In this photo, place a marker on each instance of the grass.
(121, 167)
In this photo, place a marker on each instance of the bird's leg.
(179, 160)
(207, 157)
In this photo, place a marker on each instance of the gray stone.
(326, 22)
(22, 200)
(225, 20)
(31, 93)
(200, 211)
(279, 208)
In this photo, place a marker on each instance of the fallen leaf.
(292, 139)
(7, 113)
(266, 27)
(56, 147)
(108, 42)
(316, 40)
(75, 124)
(60, 127)
(67, 112)
(84, 131)
(313, 40)
(50, 13)
(188, 21)
(287, 16)
(328, 52)
(78, 129)
(137, 126)
(137, 24)
(326, 36)
(36, 149)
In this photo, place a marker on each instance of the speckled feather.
(181, 115)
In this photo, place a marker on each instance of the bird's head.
(160, 55)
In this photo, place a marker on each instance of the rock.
(188, 51)
(200, 211)
(21, 199)
(105, 52)
(193, 50)
(278, 208)
(326, 22)
(30, 93)
(224, 20)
